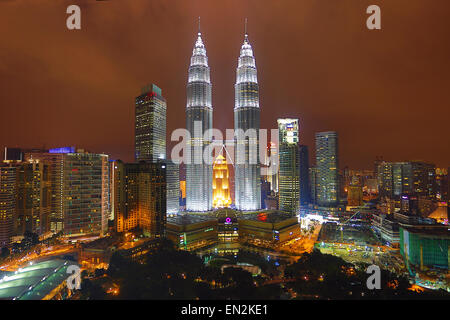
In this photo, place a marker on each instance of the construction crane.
(342, 225)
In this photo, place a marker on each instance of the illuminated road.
(45, 253)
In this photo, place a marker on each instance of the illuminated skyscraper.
(173, 186)
(246, 125)
(327, 178)
(289, 171)
(150, 125)
(199, 118)
(221, 185)
(7, 203)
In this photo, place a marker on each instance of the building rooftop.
(190, 218)
(34, 282)
(267, 216)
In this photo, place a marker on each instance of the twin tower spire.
(199, 118)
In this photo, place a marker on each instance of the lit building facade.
(173, 187)
(221, 185)
(85, 194)
(33, 197)
(7, 203)
(327, 173)
(305, 186)
(55, 159)
(199, 118)
(413, 178)
(141, 198)
(246, 125)
(425, 247)
(150, 125)
(289, 170)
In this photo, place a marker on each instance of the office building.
(327, 174)
(199, 118)
(150, 125)
(246, 125)
(173, 187)
(289, 169)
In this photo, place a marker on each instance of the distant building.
(173, 187)
(305, 186)
(140, 201)
(413, 178)
(33, 208)
(425, 247)
(354, 195)
(272, 166)
(221, 185)
(13, 154)
(199, 119)
(150, 125)
(7, 203)
(271, 201)
(265, 193)
(190, 232)
(289, 165)
(386, 227)
(55, 159)
(442, 184)
(85, 194)
(266, 229)
(247, 169)
(313, 184)
(327, 170)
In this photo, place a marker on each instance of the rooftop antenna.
(198, 24)
(245, 28)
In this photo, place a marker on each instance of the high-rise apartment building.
(85, 194)
(55, 159)
(7, 203)
(33, 208)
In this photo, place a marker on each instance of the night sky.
(386, 92)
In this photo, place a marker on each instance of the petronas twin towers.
(199, 110)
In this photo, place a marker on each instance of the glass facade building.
(173, 187)
(412, 177)
(150, 125)
(246, 125)
(199, 119)
(327, 172)
(289, 170)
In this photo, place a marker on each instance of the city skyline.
(322, 174)
(313, 87)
